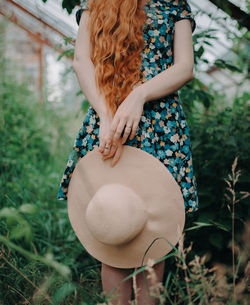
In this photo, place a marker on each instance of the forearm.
(85, 74)
(165, 83)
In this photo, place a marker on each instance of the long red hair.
(116, 40)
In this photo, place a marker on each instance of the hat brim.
(152, 181)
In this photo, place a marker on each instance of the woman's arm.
(84, 68)
(172, 79)
(130, 110)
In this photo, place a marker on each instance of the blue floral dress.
(163, 130)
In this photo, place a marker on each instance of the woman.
(131, 57)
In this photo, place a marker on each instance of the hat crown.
(115, 214)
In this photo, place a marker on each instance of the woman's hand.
(116, 153)
(115, 149)
(127, 115)
(104, 135)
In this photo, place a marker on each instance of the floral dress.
(162, 130)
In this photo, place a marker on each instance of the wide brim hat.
(120, 212)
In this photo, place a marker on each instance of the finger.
(117, 155)
(119, 130)
(111, 153)
(113, 147)
(134, 129)
(127, 131)
(113, 126)
(101, 145)
(107, 143)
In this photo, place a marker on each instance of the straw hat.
(117, 212)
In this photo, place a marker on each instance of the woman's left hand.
(127, 116)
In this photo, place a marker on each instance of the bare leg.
(111, 277)
(143, 297)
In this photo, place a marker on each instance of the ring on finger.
(108, 147)
(110, 152)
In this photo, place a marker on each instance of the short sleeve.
(183, 11)
(83, 6)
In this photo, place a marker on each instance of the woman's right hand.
(115, 149)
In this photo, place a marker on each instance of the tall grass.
(41, 261)
(193, 282)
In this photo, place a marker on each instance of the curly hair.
(116, 40)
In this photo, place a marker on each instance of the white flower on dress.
(89, 128)
(185, 191)
(69, 163)
(183, 123)
(162, 105)
(174, 138)
(166, 129)
(166, 44)
(174, 12)
(149, 21)
(159, 54)
(182, 171)
(157, 115)
(166, 161)
(151, 46)
(193, 204)
(169, 152)
(92, 120)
